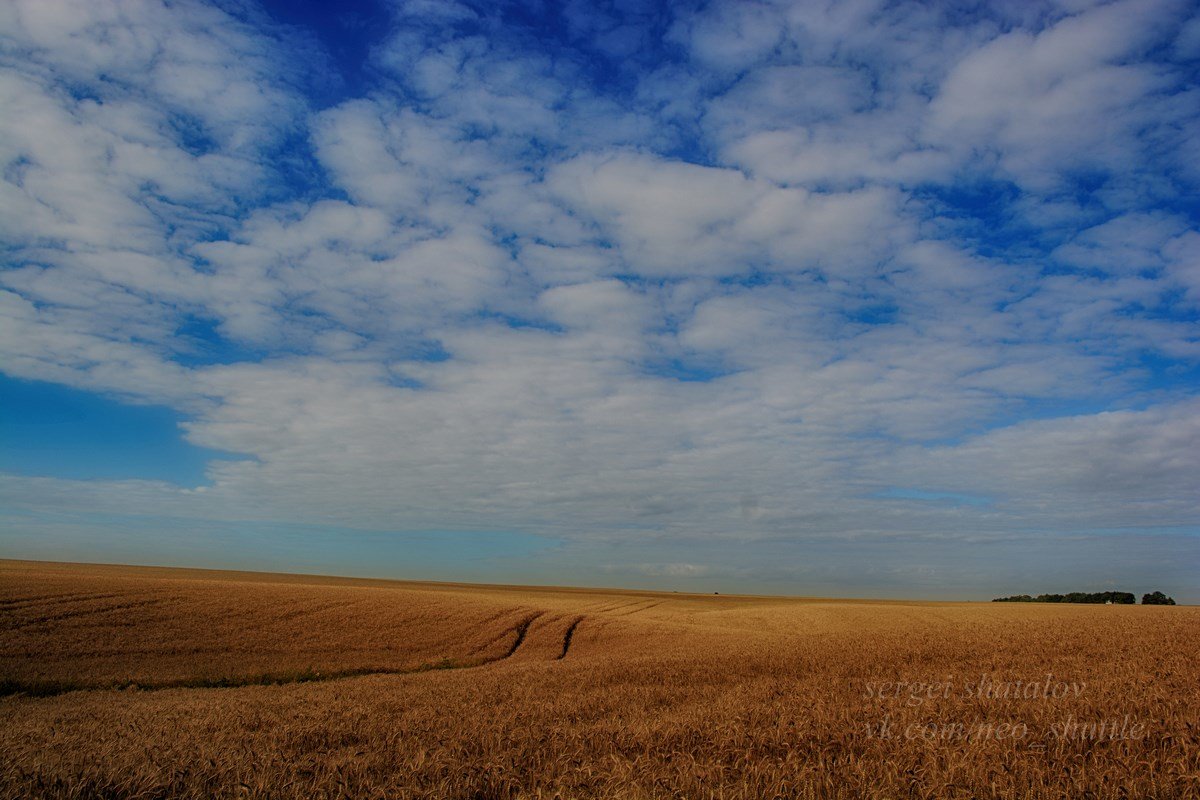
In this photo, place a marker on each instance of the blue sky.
(886, 299)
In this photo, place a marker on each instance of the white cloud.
(732, 292)
(1069, 98)
(672, 219)
(133, 130)
(1183, 260)
(732, 36)
(1129, 244)
(1111, 470)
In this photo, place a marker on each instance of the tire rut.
(522, 629)
(645, 606)
(52, 688)
(567, 638)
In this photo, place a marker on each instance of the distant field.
(139, 682)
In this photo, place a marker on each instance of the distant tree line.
(1117, 598)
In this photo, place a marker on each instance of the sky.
(820, 298)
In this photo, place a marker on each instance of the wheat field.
(147, 682)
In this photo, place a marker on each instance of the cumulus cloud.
(1071, 98)
(669, 281)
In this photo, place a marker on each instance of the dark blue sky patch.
(53, 431)
(1162, 374)
(873, 314)
(521, 323)
(982, 212)
(345, 32)
(686, 370)
(198, 342)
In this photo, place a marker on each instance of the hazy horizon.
(696, 588)
(875, 300)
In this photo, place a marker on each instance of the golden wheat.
(347, 688)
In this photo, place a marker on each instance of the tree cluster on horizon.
(1117, 598)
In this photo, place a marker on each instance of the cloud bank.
(739, 289)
